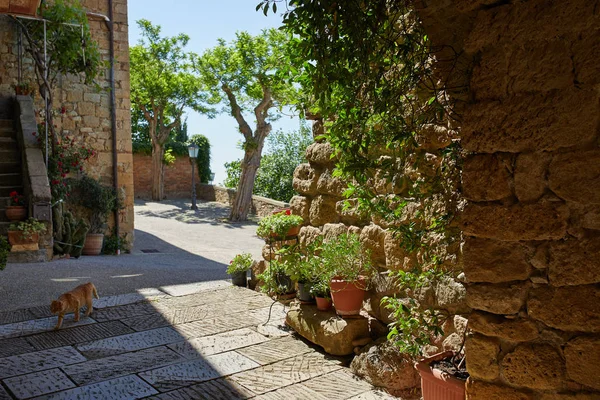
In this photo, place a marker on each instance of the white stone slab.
(40, 325)
(188, 373)
(220, 343)
(131, 342)
(129, 298)
(190, 288)
(38, 361)
(125, 388)
(38, 383)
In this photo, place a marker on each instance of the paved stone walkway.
(203, 340)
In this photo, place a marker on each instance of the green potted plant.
(303, 265)
(99, 200)
(238, 269)
(25, 232)
(275, 280)
(16, 211)
(4, 250)
(320, 290)
(279, 226)
(349, 267)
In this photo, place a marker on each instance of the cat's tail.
(95, 292)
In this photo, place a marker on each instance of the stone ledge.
(326, 329)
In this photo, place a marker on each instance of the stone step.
(4, 201)
(4, 226)
(7, 133)
(9, 155)
(5, 190)
(31, 256)
(11, 179)
(8, 167)
(8, 143)
(6, 123)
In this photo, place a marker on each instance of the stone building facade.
(87, 111)
(529, 82)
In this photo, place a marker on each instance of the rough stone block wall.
(532, 180)
(87, 116)
(178, 177)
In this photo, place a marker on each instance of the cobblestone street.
(204, 340)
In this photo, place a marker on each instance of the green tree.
(285, 152)
(163, 85)
(203, 160)
(243, 77)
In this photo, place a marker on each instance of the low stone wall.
(261, 206)
(178, 177)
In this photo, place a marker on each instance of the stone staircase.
(10, 169)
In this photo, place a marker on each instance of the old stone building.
(86, 112)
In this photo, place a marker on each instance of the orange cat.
(72, 301)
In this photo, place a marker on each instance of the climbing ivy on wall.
(368, 72)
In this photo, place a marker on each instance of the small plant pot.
(292, 232)
(304, 292)
(347, 296)
(240, 278)
(439, 385)
(93, 244)
(16, 213)
(285, 283)
(323, 303)
(15, 238)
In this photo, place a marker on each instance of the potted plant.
(303, 266)
(100, 201)
(4, 250)
(276, 281)
(443, 376)
(320, 290)
(24, 88)
(25, 232)
(279, 226)
(238, 269)
(349, 267)
(16, 211)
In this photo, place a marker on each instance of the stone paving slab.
(38, 383)
(218, 343)
(286, 372)
(79, 334)
(15, 346)
(38, 361)
(275, 350)
(216, 389)
(339, 385)
(4, 395)
(191, 288)
(130, 298)
(373, 395)
(125, 311)
(293, 392)
(187, 373)
(40, 325)
(124, 388)
(10, 317)
(123, 364)
(212, 326)
(40, 311)
(131, 342)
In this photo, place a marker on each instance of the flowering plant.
(66, 157)
(240, 263)
(16, 199)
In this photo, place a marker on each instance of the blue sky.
(205, 22)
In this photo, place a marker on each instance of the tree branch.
(236, 112)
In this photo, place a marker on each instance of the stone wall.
(532, 223)
(261, 206)
(87, 111)
(178, 177)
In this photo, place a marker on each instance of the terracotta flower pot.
(348, 296)
(16, 213)
(93, 244)
(25, 7)
(292, 232)
(323, 303)
(439, 385)
(16, 238)
(239, 278)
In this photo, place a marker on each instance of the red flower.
(13, 193)
(63, 110)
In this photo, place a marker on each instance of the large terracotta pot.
(16, 238)
(348, 296)
(439, 385)
(16, 213)
(25, 7)
(93, 244)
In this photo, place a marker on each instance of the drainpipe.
(113, 105)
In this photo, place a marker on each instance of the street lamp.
(193, 150)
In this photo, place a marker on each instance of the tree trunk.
(158, 152)
(243, 199)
